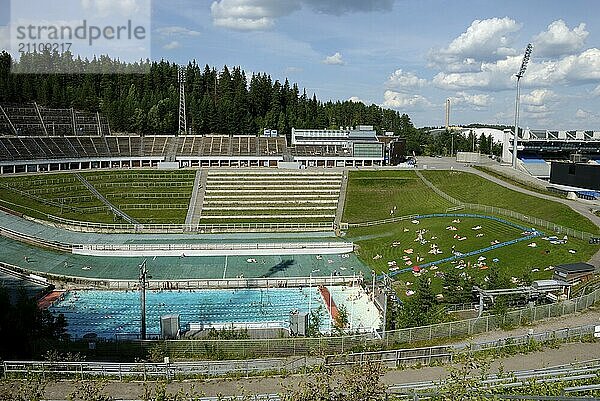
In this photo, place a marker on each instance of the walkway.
(342, 199)
(578, 206)
(195, 206)
(51, 233)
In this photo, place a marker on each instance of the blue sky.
(401, 54)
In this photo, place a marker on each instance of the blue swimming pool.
(112, 313)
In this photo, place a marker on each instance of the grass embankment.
(379, 245)
(39, 195)
(518, 183)
(372, 195)
(470, 188)
(148, 196)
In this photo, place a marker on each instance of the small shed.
(574, 273)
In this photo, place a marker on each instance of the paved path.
(583, 209)
(342, 200)
(194, 198)
(567, 353)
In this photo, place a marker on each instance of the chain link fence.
(320, 346)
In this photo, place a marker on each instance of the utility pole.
(143, 283)
(519, 75)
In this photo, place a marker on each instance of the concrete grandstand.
(538, 148)
(37, 139)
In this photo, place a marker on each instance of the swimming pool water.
(110, 313)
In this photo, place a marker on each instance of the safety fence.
(572, 372)
(295, 346)
(165, 370)
(441, 354)
(246, 367)
(194, 284)
(335, 247)
(82, 226)
(468, 327)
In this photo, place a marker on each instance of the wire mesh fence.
(320, 346)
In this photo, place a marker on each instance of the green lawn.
(372, 195)
(59, 189)
(517, 183)
(471, 188)
(515, 260)
(65, 188)
(150, 188)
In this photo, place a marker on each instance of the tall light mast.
(519, 75)
(182, 114)
(143, 285)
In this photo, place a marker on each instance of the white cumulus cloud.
(405, 80)
(334, 59)
(478, 100)
(355, 99)
(574, 69)
(250, 14)
(559, 40)
(539, 97)
(484, 40)
(404, 101)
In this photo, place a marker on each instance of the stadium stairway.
(197, 199)
(340, 207)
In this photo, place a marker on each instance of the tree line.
(225, 101)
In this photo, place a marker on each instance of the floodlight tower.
(143, 284)
(519, 75)
(182, 113)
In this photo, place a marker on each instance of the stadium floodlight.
(519, 75)
(143, 283)
(182, 112)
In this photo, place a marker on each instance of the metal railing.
(391, 358)
(83, 226)
(228, 283)
(294, 346)
(285, 246)
(441, 354)
(468, 327)
(167, 371)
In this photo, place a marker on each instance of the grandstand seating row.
(55, 147)
(33, 120)
(271, 194)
